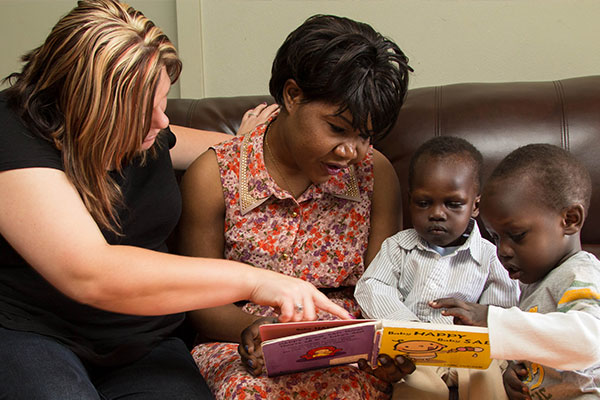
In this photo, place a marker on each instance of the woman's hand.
(513, 385)
(464, 313)
(293, 298)
(250, 349)
(256, 116)
(389, 370)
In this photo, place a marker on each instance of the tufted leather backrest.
(495, 117)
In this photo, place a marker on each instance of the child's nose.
(503, 250)
(437, 214)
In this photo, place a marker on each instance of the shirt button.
(294, 214)
(285, 256)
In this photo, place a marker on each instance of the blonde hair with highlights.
(90, 90)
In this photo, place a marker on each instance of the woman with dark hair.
(89, 299)
(305, 195)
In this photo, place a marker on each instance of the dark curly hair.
(559, 179)
(347, 63)
(446, 146)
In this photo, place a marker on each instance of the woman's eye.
(336, 128)
(366, 137)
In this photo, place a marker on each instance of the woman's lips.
(333, 169)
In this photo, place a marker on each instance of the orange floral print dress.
(320, 237)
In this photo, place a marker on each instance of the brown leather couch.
(495, 117)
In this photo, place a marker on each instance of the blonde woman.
(89, 298)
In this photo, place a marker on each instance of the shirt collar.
(472, 244)
(256, 185)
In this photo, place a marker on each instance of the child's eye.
(422, 204)
(517, 237)
(454, 204)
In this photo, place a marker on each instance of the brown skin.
(305, 139)
(513, 381)
(532, 239)
(443, 199)
(388, 370)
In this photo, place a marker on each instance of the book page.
(437, 344)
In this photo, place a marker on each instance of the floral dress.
(320, 237)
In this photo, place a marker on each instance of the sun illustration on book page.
(321, 352)
(428, 350)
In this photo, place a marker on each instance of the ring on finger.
(299, 308)
(253, 114)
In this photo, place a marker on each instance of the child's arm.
(377, 290)
(567, 341)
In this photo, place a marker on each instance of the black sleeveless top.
(29, 303)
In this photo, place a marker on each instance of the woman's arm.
(386, 208)
(43, 217)
(193, 142)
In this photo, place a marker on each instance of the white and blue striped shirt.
(406, 274)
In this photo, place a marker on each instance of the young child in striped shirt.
(534, 205)
(443, 255)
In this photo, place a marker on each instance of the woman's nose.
(352, 150)
(159, 120)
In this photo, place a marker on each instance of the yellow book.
(457, 346)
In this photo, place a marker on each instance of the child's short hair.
(343, 62)
(446, 146)
(559, 178)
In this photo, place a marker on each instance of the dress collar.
(256, 185)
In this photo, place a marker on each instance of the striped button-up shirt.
(407, 274)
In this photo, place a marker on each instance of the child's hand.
(513, 385)
(464, 313)
(388, 370)
(256, 116)
(249, 348)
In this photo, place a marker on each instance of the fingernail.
(251, 363)
(246, 348)
(433, 303)
(400, 359)
(383, 360)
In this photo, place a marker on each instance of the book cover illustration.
(319, 348)
(437, 344)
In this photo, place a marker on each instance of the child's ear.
(292, 95)
(573, 217)
(475, 210)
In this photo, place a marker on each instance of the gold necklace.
(275, 163)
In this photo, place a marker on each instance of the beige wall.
(24, 25)
(227, 45)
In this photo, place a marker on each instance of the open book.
(298, 346)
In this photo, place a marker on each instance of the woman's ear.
(292, 95)
(573, 217)
(475, 210)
